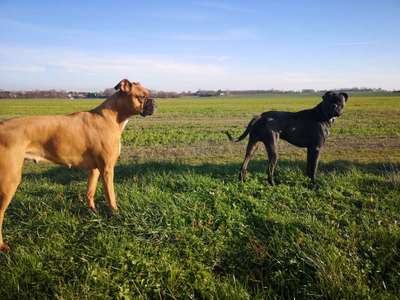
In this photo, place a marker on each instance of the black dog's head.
(332, 104)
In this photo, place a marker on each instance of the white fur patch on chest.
(124, 124)
(122, 129)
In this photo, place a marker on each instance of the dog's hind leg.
(271, 146)
(10, 177)
(249, 151)
(91, 188)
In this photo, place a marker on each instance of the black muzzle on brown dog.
(149, 107)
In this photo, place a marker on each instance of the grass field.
(187, 228)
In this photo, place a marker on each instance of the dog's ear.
(124, 86)
(326, 95)
(345, 96)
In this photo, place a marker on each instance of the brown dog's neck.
(113, 110)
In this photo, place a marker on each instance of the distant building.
(209, 93)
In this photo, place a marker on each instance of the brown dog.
(87, 140)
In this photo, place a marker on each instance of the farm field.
(188, 229)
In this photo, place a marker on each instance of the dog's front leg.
(107, 174)
(91, 188)
(313, 154)
(10, 177)
(5, 200)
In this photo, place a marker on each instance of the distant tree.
(307, 91)
(108, 92)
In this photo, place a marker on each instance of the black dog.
(307, 128)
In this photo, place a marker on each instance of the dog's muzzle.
(337, 113)
(148, 108)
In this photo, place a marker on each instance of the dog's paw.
(4, 248)
(113, 208)
(93, 209)
(269, 181)
(314, 185)
(242, 177)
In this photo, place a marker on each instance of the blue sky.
(188, 45)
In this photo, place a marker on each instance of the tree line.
(60, 94)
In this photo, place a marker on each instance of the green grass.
(187, 228)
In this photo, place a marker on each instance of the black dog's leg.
(313, 154)
(249, 150)
(271, 145)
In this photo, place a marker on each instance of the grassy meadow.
(188, 229)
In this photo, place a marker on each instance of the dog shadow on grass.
(389, 176)
(128, 170)
(268, 251)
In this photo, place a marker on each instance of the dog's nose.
(150, 101)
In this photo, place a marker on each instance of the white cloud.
(28, 28)
(83, 70)
(224, 6)
(229, 35)
(131, 64)
(352, 44)
(45, 68)
(22, 68)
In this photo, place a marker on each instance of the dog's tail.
(245, 133)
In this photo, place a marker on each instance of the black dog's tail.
(246, 132)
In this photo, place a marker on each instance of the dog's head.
(138, 97)
(332, 104)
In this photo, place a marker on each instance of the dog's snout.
(338, 112)
(148, 107)
(150, 101)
